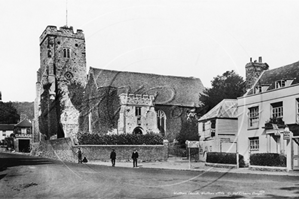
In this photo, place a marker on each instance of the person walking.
(79, 155)
(135, 156)
(113, 157)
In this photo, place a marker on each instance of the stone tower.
(62, 62)
(253, 71)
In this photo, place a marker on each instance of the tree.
(227, 86)
(8, 113)
(188, 131)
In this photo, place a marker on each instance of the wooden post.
(237, 155)
(189, 158)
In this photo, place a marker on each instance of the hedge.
(224, 158)
(268, 159)
(122, 139)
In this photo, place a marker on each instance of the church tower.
(62, 63)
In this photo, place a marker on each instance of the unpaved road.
(23, 176)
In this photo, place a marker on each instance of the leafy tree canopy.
(188, 131)
(8, 113)
(227, 86)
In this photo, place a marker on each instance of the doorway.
(24, 146)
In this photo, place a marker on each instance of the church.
(70, 100)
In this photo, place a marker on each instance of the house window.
(277, 110)
(23, 130)
(254, 144)
(4, 133)
(66, 52)
(258, 89)
(253, 117)
(161, 122)
(280, 83)
(203, 126)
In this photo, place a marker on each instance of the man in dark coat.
(113, 157)
(135, 156)
(79, 154)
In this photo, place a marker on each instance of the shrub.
(122, 139)
(268, 159)
(224, 158)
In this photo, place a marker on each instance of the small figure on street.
(79, 154)
(84, 160)
(135, 156)
(113, 157)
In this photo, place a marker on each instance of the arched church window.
(161, 122)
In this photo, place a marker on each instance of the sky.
(190, 38)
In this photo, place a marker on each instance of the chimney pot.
(260, 59)
(250, 59)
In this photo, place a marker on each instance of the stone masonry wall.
(64, 150)
(147, 153)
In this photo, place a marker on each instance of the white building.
(268, 109)
(218, 127)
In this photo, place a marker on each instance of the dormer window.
(280, 84)
(261, 88)
(258, 89)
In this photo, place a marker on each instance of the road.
(23, 176)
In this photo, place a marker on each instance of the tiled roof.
(24, 123)
(169, 90)
(227, 108)
(269, 77)
(7, 127)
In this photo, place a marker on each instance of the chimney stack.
(250, 59)
(260, 59)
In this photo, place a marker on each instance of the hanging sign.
(286, 135)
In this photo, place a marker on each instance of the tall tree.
(8, 113)
(227, 86)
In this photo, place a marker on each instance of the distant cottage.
(105, 101)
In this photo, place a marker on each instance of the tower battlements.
(136, 99)
(63, 31)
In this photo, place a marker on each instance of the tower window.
(67, 52)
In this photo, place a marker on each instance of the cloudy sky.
(199, 38)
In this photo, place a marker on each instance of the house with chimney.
(268, 114)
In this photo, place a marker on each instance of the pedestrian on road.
(113, 157)
(79, 154)
(135, 156)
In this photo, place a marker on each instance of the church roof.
(227, 108)
(269, 77)
(169, 90)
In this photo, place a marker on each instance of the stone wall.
(147, 153)
(64, 150)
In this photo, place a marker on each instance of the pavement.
(177, 163)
